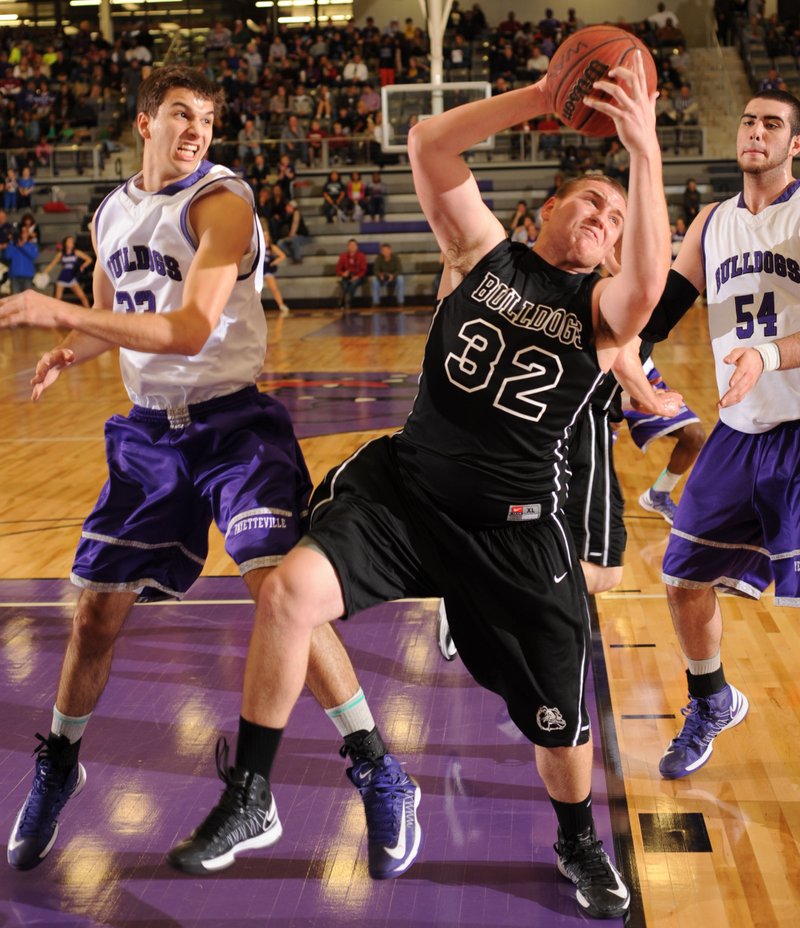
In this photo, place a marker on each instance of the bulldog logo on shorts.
(550, 719)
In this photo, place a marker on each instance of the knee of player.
(288, 601)
(693, 437)
(93, 627)
(681, 598)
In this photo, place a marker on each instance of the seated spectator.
(218, 38)
(678, 235)
(351, 269)
(241, 35)
(416, 72)
(315, 137)
(339, 145)
(526, 232)
(537, 63)
(687, 107)
(691, 201)
(297, 234)
(254, 61)
(335, 204)
(286, 176)
(277, 53)
(617, 162)
(549, 129)
(329, 72)
(264, 201)
(319, 46)
(666, 114)
(570, 162)
(459, 55)
(504, 64)
(11, 191)
(300, 103)
(356, 194)
(370, 99)
(667, 74)
(387, 272)
(249, 140)
(518, 216)
(355, 69)
(324, 105)
(258, 173)
(293, 141)
(25, 187)
(376, 197)
(278, 106)
(772, 80)
(277, 218)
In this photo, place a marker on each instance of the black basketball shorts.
(515, 595)
(594, 506)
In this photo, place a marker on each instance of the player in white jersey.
(738, 524)
(177, 286)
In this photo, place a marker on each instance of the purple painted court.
(487, 857)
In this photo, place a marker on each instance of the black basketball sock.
(256, 747)
(364, 744)
(706, 684)
(63, 753)
(573, 817)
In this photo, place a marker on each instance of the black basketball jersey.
(509, 363)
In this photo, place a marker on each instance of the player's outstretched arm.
(76, 347)
(626, 300)
(643, 396)
(223, 222)
(464, 226)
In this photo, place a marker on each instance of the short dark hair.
(783, 96)
(155, 87)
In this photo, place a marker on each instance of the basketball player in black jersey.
(465, 502)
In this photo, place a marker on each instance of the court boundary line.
(615, 782)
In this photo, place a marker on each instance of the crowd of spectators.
(297, 92)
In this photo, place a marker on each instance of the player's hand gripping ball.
(583, 58)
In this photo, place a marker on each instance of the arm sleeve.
(678, 297)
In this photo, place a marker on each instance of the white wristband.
(770, 355)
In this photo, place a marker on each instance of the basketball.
(583, 58)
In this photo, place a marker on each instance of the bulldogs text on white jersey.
(753, 290)
(146, 245)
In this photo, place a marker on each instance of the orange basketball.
(580, 60)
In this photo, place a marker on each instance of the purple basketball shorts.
(645, 427)
(738, 524)
(233, 459)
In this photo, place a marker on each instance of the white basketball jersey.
(753, 290)
(146, 244)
